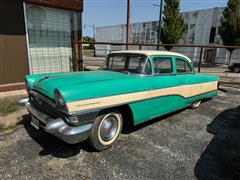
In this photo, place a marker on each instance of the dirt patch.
(8, 105)
(10, 113)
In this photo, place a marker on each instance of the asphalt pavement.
(201, 143)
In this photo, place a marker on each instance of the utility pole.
(94, 35)
(128, 30)
(159, 23)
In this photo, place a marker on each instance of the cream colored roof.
(149, 52)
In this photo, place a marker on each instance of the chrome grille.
(43, 104)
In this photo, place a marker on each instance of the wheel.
(195, 104)
(236, 69)
(106, 129)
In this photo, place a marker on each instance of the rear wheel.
(195, 104)
(106, 129)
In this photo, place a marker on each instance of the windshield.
(128, 63)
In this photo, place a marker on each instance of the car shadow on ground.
(57, 148)
(50, 144)
(221, 158)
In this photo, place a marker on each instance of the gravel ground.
(191, 144)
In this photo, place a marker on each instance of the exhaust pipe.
(23, 101)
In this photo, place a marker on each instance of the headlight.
(58, 98)
(60, 101)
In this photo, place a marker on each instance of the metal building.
(201, 28)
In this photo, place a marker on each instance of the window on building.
(50, 32)
(182, 66)
(162, 65)
(212, 35)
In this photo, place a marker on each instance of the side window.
(139, 65)
(162, 65)
(182, 66)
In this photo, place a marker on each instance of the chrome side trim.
(185, 91)
(121, 104)
(141, 90)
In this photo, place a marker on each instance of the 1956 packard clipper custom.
(132, 87)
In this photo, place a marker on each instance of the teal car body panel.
(80, 86)
(162, 105)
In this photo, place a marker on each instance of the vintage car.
(131, 88)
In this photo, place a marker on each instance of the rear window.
(182, 66)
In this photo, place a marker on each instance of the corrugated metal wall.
(13, 48)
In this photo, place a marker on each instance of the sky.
(113, 12)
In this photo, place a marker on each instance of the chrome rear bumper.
(59, 128)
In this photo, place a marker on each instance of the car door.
(185, 74)
(163, 82)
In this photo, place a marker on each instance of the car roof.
(149, 52)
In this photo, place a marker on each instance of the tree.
(229, 29)
(89, 39)
(172, 23)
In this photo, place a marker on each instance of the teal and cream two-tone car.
(132, 87)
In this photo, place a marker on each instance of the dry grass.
(8, 110)
(7, 127)
(8, 105)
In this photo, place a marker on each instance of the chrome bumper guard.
(23, 101)
(58, 127)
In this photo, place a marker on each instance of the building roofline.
(116, 25)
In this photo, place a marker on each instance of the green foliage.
(89, 39)
(230, 25)
(172, 23)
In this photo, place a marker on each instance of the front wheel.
(106, 129)
(195, 104)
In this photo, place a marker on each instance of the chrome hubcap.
(197, 103)
(108, 128)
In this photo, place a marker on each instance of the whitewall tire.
(195, 104)
(106, 129)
